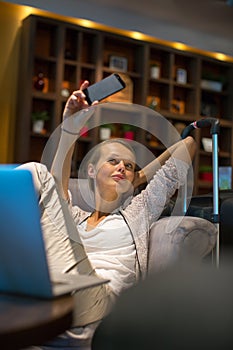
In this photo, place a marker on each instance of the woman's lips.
(118, 177)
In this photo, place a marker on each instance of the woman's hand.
(76, 101)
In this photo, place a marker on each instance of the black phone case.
(104, 88)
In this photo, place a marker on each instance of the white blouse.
(111, 251)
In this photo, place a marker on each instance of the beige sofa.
(172, 238)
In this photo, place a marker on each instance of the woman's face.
(114, 171)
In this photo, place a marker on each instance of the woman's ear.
(91, 171)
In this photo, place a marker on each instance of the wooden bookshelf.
(67, 53)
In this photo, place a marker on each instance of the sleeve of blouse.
(161, 188)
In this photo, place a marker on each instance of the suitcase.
(202, 206)
(210, 211)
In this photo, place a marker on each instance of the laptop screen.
(23, 264)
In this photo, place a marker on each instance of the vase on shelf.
(155, 71)
(39, 82)
(105, 133)
(38, 126)
(38, 121)
(129, 135)
(128, 131)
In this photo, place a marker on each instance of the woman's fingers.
(77, 101)
(84, 85)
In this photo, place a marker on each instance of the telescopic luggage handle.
(202, 123)
(214, 131)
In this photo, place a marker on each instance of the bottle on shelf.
(39, 82)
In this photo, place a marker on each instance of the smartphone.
(104, 88)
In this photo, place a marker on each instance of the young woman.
(112, 240)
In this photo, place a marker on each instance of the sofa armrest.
(176, 238)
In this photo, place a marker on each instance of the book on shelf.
(225, 176)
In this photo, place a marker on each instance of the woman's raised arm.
(61, 166)
(183, 150)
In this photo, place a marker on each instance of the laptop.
(23, 263)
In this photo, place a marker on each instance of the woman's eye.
(129, 166)
(112, 161)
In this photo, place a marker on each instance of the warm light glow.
(86, 23)
(27, 11)
(220, 56)
(137, 36)
(180, 46)
(134, 35)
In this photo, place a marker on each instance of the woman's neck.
(95, 218)
(106, 205)
(103, 208)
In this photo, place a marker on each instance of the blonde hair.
(94, 154)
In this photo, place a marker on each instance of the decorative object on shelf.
(207, 144)
(211, 85)
(155, 70)
(225, 177)
(125, 95)
(206, 173)
(154, 142)
(213, 81)
(181, 76)
(128, 131)
(153, 102)
(41, 83)
(178, 106)
(106, 131)
(65, 92)
(38, 119)
(118, 63)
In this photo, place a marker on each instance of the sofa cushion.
(175, 237)
(81, 194)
